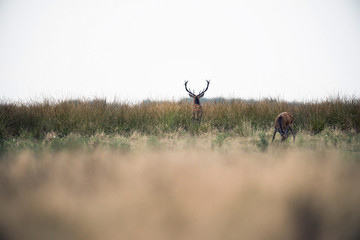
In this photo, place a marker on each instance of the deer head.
(198, 96)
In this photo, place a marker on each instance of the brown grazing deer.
(284, 123)
(197, 112)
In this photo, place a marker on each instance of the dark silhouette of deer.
(283, 123)
(197, 112)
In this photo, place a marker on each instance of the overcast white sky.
(138, 49)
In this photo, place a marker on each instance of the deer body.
(283, 123)
(197, 112)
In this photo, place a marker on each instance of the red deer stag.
(284, 123)
(197, 110)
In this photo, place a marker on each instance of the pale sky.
(139, 49)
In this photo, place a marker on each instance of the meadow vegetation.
(91, 169)
(88, 117)
(233, 124)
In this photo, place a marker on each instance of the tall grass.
(88, 117)
(179, 195)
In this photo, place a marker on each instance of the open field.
(88, 117)
(97, 170)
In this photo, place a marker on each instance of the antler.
(201, 94)
(191, 93)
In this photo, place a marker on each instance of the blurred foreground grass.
(181, 186)
(192, 193)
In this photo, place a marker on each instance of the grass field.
(88, 117)
(97, 170)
